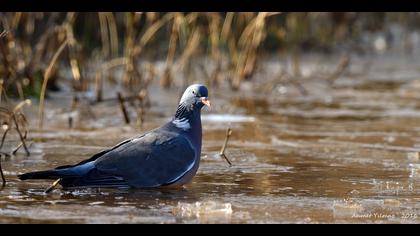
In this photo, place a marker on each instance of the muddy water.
(345, 153)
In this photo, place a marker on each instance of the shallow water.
(342, 154)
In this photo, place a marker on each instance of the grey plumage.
(164, 156)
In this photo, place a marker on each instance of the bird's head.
(195, 96)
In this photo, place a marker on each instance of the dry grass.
(13, 119)
(47, 76)
(230, 43)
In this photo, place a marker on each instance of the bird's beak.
(205, 101)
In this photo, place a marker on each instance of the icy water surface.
(346, 153)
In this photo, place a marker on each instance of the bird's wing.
(101, 153)
(154, 159)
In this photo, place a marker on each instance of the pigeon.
(165, 156)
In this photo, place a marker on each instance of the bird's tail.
(59, 172)
(47, 174)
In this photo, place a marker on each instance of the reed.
(222, 151)
(31, 45)
(47, 76)
(1, 173)
(13, 119)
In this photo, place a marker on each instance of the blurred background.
(324, 109)
(176, 48)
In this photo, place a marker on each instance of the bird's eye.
(193, 92)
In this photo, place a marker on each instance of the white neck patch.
(183, 123)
